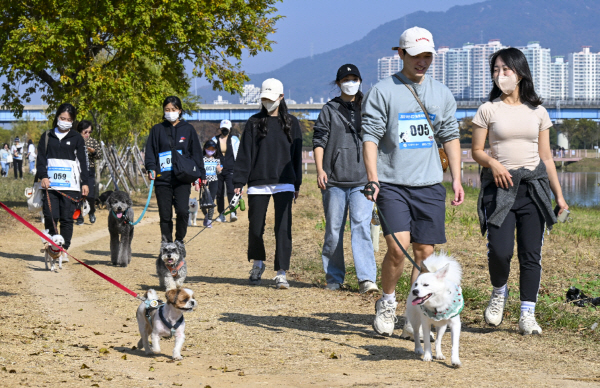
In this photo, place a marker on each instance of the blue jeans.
(5, 168)
(336, 203)
(31, 165)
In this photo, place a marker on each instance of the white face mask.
(172, 116)
(507, 84)
(350, 87)
(270, 106)
(64, 125)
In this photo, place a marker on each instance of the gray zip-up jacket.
(342, 157)
(393, 119)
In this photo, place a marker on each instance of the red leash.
(42, 235)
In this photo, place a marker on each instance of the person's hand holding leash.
(45, 183)
(151, 175)
(239, 190)
(85, 190)
(371, 190)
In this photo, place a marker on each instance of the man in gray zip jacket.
(341, 175)
(403, 164)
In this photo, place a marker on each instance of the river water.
(579, 188)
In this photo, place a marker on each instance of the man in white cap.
(227, 149)
(403, 164)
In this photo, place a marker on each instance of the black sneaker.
(92, 218)
(79, 222)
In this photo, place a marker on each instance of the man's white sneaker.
(233, 217)
(255, 275)
(65, 258)
(528, 325)
(409, 334)
(385, 317)
(281, 282)
(367, 286)
(494, 313)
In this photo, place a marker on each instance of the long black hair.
(176, 103)
(516, 61)
(66, 107)
(284, 120)
(83, 124)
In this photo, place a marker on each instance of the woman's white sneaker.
(528, 324)
(494, 313)
(281, 282)
(385, 317)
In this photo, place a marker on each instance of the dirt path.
(75, 329)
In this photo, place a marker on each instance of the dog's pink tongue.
(119, 215)
(416, 301)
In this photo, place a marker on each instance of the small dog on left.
(193, 209)
(53, 255)
(437, 300)
(171, 266)
(120, 217)
(156, 319)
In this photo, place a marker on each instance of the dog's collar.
(167, 323)
(175, 270)
(455, 308)
(123, 218)
(53, 253)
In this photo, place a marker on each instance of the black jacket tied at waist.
(538, 187)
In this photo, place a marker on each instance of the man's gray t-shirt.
(393, 119)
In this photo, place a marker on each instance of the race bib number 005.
(414, 131)
(164, 159)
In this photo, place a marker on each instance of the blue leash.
(145, 208)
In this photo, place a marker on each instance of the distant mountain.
(561, 25)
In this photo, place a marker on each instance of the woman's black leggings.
(529, 223)
(18, 166)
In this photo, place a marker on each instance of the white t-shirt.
(19, 150)
(31, 151)
(60, 134)
(271, 189)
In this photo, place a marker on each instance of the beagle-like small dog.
(157, 319)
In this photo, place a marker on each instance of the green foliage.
(581, 134)
(466, 130)
(109, 55)
(307, 128)
(29, 129)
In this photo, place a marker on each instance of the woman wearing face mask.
(94, 153)
(341, 174)
(270, 162)
(4, 155)
(62, 167)
(516, 182)
(170, 192)
(227, 148)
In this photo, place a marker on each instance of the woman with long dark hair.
(94, 153)
(4, 155)
(269, 160)
(170, 191)
(516, 182)
(341, 174)
(62, 167)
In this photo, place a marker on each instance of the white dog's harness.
(159, 304)
(458, 302)
(167, 323)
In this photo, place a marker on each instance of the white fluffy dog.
(193, 209)
(436, 299)
(51, 254)
(166, 320)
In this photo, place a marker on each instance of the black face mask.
(224, 131)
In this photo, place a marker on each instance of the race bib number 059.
(414, 130)
(60, 176)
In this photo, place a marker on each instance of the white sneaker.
(367, 286)
(65, 258)
(494, 313)
(385, 317)
(233, 217)
(281, 282)
(408, 332)
(220, 218)
(528, 325)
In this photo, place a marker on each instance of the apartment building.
(584, 75)
(559, 79)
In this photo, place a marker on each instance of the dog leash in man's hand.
(370, 190)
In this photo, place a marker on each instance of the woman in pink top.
(516, 182)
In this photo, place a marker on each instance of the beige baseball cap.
(271, 89)
(415, 41)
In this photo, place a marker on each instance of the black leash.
(370, 190)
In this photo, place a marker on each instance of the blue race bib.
(414, 131)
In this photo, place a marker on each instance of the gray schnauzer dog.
(171, 266)
(120, 217)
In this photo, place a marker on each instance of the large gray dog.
(120, 217)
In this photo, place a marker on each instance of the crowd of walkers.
(383, 143)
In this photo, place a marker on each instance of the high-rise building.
(458, 71)
(584, 75)
(437, 70)
(559, 79)
(481, 79)
(388, 66)
(539, 61)
(250, 95)
(220, 101)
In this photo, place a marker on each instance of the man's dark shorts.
(418, 210)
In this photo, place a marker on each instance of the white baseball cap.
(415, 41)
(271, 89)
(225, 124)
